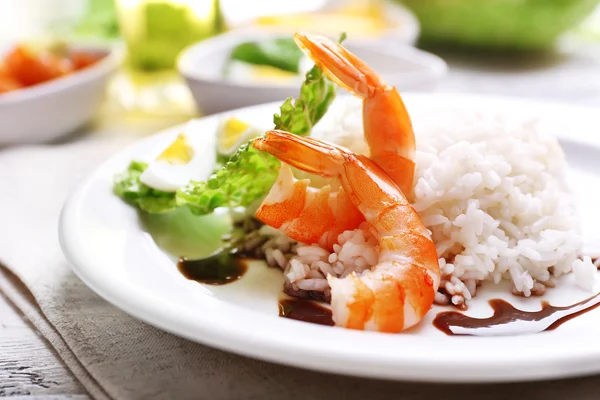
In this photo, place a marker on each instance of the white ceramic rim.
(107, 65)
(232, 328)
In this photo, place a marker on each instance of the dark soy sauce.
(508, 320)
(305, 310)
(216, 270)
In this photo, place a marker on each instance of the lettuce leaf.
(316, 95)
(129, 187)
(246, 177)
(300, 116)
(250, 174)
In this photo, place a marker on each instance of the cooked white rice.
(491, 190)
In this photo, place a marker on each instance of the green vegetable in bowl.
(279, 53)
(507, 24)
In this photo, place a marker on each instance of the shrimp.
(311, 215)
(387, 125)
(308, 214)
(399, 290)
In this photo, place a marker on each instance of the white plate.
(110, 251)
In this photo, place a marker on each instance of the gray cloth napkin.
(116, 356)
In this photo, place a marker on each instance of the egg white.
(167, 177)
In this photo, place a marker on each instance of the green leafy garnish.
(247, 176)
(186, 235)
(316, 95)
(129, 187)
(280, 53)
(250, 173)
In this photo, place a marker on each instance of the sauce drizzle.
(213, 270)
(305, 310)
(508, 320)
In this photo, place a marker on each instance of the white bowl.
(47, 111)
(403, 25)
(202, 66)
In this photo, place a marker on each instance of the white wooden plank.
(28, 367)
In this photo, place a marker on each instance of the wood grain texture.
(28, 367)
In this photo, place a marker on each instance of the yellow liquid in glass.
(155, 32)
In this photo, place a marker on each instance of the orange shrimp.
(387, 125)
(308, 214)
(311, 215)
(399, 290)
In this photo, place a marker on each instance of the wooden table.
(29, 367)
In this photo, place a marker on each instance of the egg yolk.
(179, 152)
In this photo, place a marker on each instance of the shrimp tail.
(339, 65)
(304, 153)
(387, 125)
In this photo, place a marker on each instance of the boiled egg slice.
(233, 133)
(191, 156)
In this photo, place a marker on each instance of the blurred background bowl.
(365, 21)
(202, 66)
(507, 24)
(56, 108)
